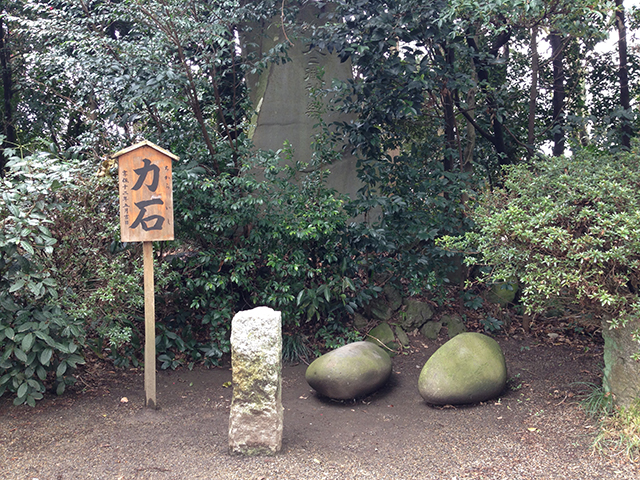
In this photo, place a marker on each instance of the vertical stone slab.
(621, 372)
(255, 421)
(283, 97)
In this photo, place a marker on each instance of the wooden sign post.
(146, 215)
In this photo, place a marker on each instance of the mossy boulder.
(393, 297)
(351, 371)
(416, 314)
(431, 329)
(360, 322)
(454, 323)
(503, 293)
(402, 336)
(383, 336)
(469, 368)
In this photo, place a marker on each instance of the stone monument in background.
(283, 97)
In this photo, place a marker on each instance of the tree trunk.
(533, 92)
(8, 129)
(498, 137)
(451, 146)
(557, 57)
(623, 75)
(467, 158)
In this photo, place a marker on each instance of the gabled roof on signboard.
(146, 143)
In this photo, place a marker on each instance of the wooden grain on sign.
(146, 196)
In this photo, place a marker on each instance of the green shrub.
(102, 277)
(568, 228)
(41, 345)
(278, 242)
(411, 201)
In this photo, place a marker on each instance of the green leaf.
(33, 384)
(62, 368)
(27, 326)
(74, 360)
(22, 390)
(60, 389)
(31, 357)
(36, 288)
(9, 333)
(28, 341)
(43, 336)
(6, 354)
(16, 286)
(299, 297)
(45, 356)
(8, 304)
(27, 247)
(20, 355)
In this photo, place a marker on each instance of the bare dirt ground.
(535, 430)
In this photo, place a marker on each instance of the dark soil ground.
(535, 430)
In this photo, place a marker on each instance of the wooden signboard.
(146, 215)
(146, 198)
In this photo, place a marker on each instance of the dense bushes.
(412, 201)
(568, 228)
(41, 344)
(279, 242)
(266, 235)
(68, 283)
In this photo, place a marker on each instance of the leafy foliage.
(111, 72)
(101, 277)
(277, 242)
(41, 344)
(85, 78)
(567, 229)
(419, 203)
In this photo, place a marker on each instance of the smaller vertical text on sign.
(146, 196)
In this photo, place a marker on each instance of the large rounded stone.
(469, 368)
(350, 371)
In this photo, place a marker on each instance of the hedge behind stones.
(568, 228)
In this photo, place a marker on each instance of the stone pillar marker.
(256, 417)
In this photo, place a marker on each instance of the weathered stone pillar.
(621, 372)
(255, 421)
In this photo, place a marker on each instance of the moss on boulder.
(351, 371)
(469, 368)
